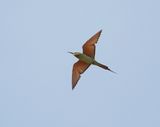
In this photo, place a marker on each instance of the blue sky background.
(35, 68)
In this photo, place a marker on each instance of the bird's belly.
(86, 59)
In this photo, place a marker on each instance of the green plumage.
(89, 60)
(85, 58)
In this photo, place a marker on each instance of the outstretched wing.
(78, 68)
(89, 46)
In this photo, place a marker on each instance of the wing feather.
(89, 46)
(78, 68)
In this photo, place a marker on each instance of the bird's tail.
(103, 66)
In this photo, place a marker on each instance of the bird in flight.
(86, 59)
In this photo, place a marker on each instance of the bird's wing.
(89, 46)
(78, 68)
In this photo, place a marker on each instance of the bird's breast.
(85, 58)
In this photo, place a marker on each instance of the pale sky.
(35, 68)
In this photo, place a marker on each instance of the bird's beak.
(71, 52)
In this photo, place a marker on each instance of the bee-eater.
(86, 59)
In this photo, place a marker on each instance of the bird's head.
(75, 53)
